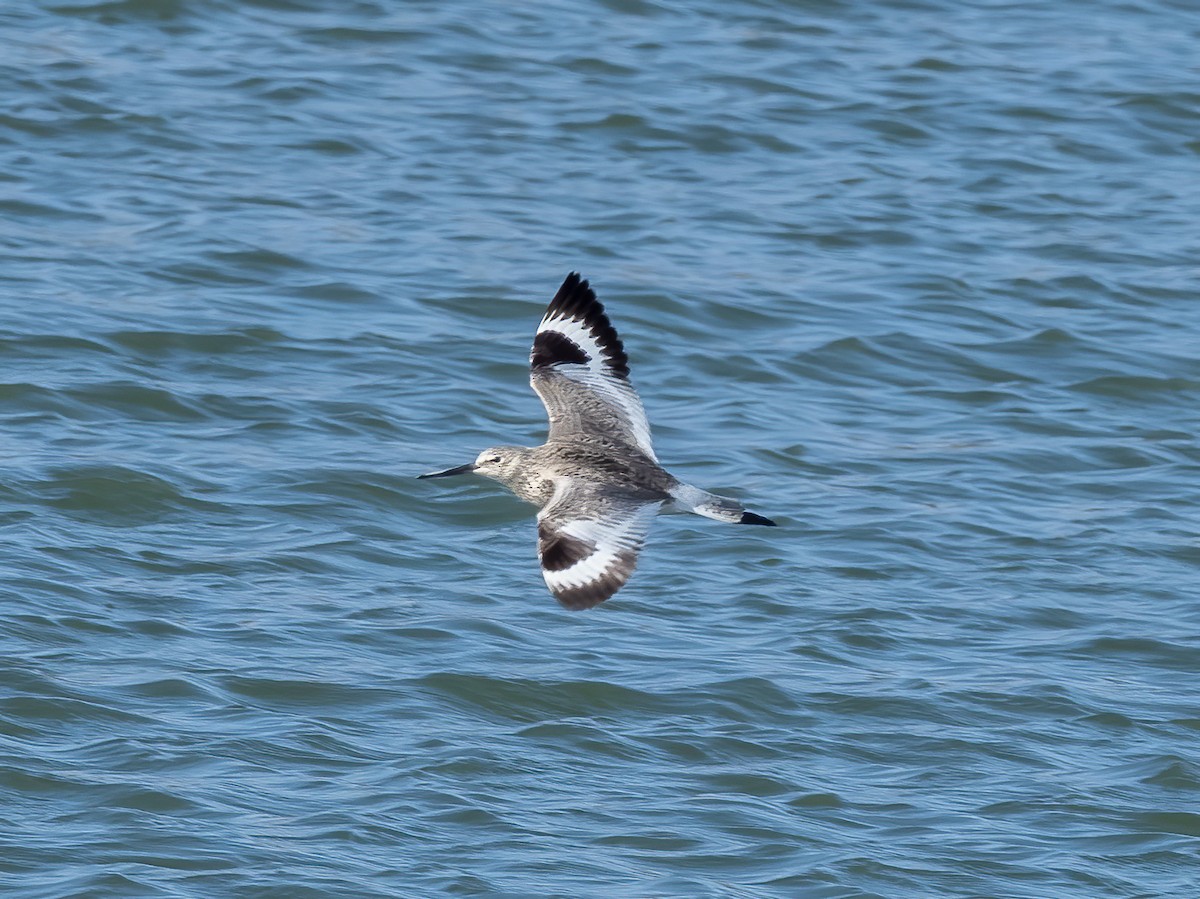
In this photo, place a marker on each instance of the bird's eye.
(494, 459)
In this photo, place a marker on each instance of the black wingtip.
(576, 300)
(575, 297)
(751, 518)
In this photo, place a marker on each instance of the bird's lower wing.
(589, 538)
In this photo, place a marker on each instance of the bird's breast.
(536, 490)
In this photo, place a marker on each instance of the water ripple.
(923, 294)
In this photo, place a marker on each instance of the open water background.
(917, 279)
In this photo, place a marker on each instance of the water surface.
(915, 279)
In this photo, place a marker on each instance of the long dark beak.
(461, 469)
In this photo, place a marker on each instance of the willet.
(596, 479)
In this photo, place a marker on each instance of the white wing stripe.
(612, 538)
(582, 572)
(579, 333)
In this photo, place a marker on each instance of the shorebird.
(596, 480)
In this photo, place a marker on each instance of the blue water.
(915, 279)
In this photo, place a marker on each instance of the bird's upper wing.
(589, 537)
(579, 369)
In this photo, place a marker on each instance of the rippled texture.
(916, 279)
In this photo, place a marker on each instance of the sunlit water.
(916, 279)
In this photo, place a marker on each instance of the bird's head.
(499, 463)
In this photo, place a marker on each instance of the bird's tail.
(700, 502)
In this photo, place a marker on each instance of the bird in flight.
(596, 481)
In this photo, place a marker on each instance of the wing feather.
(589, 540)
(579, 369)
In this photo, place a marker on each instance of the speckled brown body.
(530, 472)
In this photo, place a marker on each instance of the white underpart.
(612, 538)
(593, 375)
